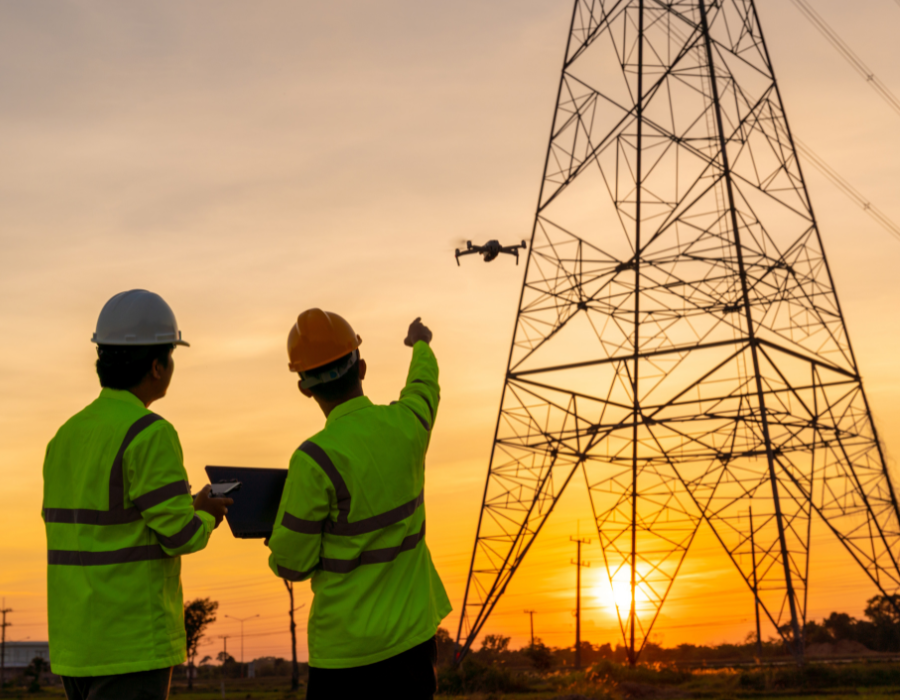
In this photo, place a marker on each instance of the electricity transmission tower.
(678, 339)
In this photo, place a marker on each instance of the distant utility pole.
(755, 591)
(242, 621)
(295, 669)
(530, 613)
(224, 638)
(3, 627)
(578, 564)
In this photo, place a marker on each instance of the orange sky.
(247, 165)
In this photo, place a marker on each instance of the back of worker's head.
(324, 349)
(134, 329)
(334, 389)
(125, 366)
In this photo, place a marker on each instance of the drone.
(490, 250)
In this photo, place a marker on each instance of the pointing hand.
(417, 332)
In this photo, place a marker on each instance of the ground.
(602, 682)
(243, 694)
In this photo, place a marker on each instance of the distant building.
(19, 654)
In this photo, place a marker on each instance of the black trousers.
(407, 676)
(143, 685)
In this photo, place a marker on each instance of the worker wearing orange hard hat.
(352, 519)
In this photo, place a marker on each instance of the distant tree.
(495, 643)
(652, 652)
(198, 615)
(882, 611)
(540, 655)
(493, 646)
(205, 660)
(225, 658)
(35, 670)
(841, 626)
(817, 634)
(446, 647)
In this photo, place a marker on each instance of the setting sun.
(617, 596)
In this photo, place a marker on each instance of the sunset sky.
(248, 161)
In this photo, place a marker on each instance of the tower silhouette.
(678, 339)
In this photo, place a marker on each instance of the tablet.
(252, 515)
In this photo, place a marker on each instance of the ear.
(306, 392)
(157, 370)
(362, 369)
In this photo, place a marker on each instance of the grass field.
(605, 681)
(271, 694)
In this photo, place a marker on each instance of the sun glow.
(618, 595)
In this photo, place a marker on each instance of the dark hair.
(337, 388)
(124, 366)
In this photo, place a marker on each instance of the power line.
(847, 53)
(835, 179)
(830, 173)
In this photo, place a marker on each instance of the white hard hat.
(137, 317)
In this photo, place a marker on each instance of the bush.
(539, 655)
(473, 676)
(611, 672)
(35, 670)
(821, 676)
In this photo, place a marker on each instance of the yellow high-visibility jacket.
(118, 513)
(352, 518)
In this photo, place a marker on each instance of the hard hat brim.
(142, 343)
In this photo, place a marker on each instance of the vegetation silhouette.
(199, 614)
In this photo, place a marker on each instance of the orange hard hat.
(319, 337)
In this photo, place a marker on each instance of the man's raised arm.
(422, 392)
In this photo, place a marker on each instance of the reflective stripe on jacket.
(118, 513)
(352, 518)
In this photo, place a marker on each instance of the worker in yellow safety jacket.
(119, 515)
(352, 519)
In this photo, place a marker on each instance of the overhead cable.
(812, 158)
(835, 179)
(847, 53)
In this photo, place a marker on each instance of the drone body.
(490, 250)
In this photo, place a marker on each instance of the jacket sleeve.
(422, 392)
(308, 499)
(158, 488)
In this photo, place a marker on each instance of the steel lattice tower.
(678, 338)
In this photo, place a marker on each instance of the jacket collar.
(348, 407)
(123, 395)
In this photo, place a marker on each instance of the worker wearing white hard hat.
(119, 515)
